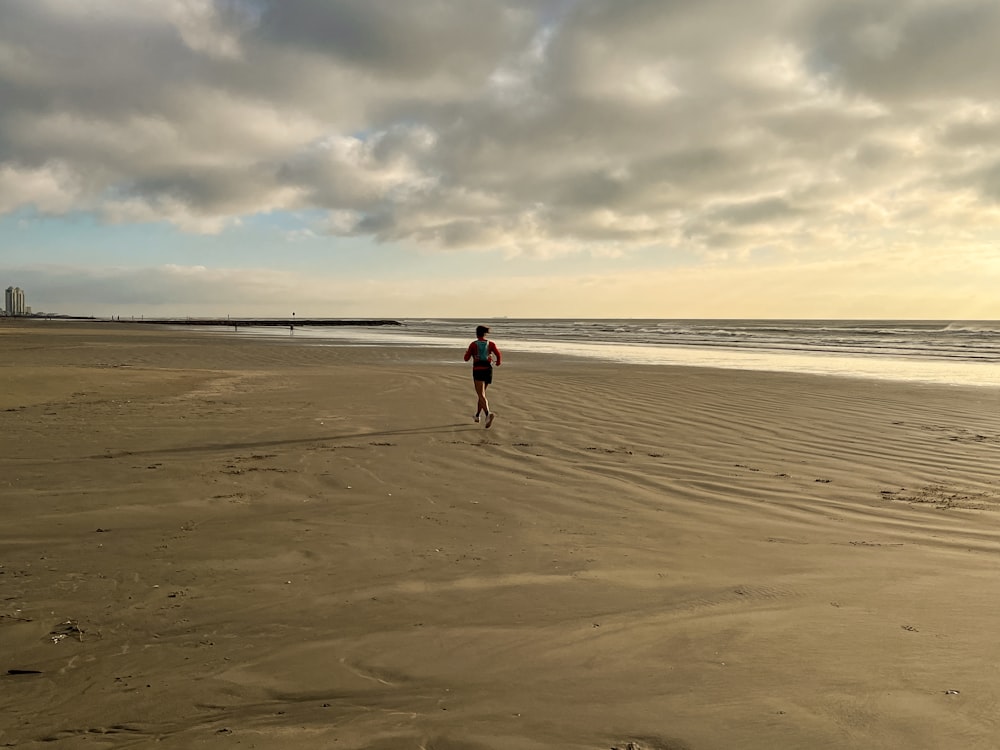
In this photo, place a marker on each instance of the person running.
(482, 353)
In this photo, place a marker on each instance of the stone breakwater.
(265, 322)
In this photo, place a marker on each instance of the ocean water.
(949, 352)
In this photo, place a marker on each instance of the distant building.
(14, 301)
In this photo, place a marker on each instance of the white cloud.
(50, 189)
(203, 28)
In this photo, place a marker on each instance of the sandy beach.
(219, 541)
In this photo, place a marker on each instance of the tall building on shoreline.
(14, 301)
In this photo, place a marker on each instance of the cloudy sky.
(473, 158)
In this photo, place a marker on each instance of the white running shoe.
(475, 418)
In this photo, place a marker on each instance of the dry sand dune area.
(221, 541)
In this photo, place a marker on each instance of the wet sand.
(219, 541)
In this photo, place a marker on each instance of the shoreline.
(842, 365)
(961, 372)
(269, 337)
(212, 539)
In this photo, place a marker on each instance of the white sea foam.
(958, 352)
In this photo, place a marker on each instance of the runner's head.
(481, 331)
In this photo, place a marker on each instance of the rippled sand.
(219, 541)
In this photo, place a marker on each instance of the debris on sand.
(65, 630)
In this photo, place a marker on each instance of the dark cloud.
(765, 210)
(404, 40)
(894, 51)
